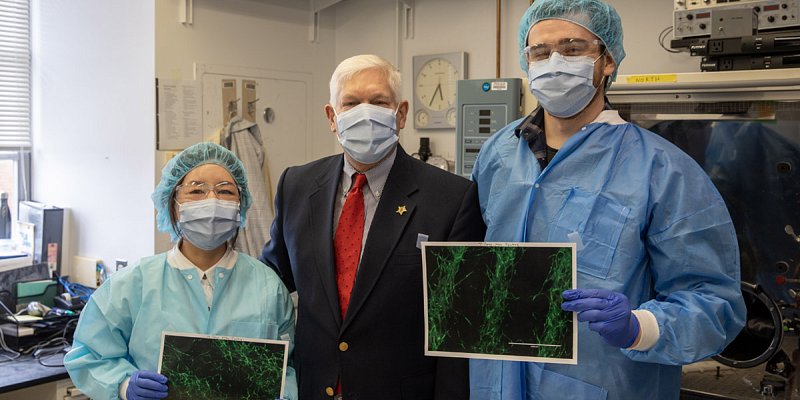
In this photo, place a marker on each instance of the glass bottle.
(5, 217)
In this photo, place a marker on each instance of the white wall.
(261, 34)
(93, 123)
(443, 26)
(642, 21)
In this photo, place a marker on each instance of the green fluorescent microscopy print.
(206, 368)
(499, 301)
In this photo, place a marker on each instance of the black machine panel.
(767, 43)
(755, 165)
(750, 62)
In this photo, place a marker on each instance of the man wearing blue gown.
(657, 257)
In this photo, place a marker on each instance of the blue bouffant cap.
(187, 160)
(596, 16)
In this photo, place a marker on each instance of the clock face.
(451, 116)
(435, 84)
(421, 118)
(436, 77)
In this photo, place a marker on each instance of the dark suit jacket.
(378, 350)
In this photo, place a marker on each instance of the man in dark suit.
(360, 332)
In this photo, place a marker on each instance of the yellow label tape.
(660, 78)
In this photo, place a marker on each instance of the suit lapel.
(385, 232)
(321, 228)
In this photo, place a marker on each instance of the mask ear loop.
(605, 50)
(605, 77)
(605, 82)
(173, 212)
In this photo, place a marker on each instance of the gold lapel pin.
(401, 210)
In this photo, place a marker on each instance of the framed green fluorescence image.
(499, 301)
(201, 367)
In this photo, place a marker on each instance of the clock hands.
(438, 89)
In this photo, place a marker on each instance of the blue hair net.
(596, 16)
(187, 160)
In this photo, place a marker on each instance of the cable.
(45, 343)
(66, 327)
(76, 289)
(9, 312)
(54, 344)
(50, 348)
(4, 346)
(663, 35)
(56, 338)
(49, 356)
(10, 297)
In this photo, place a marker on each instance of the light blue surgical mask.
(208, 223)
(367, 132)
(563, 85)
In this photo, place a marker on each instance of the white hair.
(350, 67)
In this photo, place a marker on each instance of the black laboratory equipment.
(48, 224)
(737, 35)
(744, 132)
(424, 151)
(29, 313)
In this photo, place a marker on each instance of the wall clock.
(435, 77)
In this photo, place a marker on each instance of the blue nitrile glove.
(607, 312)
(145, 385)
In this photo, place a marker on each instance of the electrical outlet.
(120, 264)
(726, 64)
(715, 47)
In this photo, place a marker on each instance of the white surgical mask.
(563, 85)
(208, 223)
(367, 132)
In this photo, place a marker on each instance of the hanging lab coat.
(120, 328)
(243, 138)
(648, 223)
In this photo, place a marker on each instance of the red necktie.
(347, 241)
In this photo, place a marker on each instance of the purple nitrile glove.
(146, 385)
(607, 312)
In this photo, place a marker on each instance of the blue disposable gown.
(651, 225)
(119, 330)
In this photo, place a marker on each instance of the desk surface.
(26, 371)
